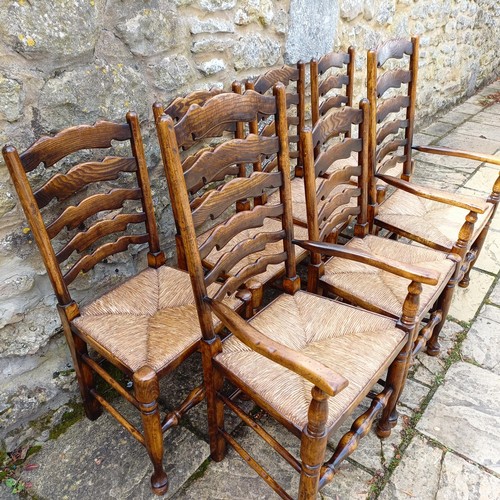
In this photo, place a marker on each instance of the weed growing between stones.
(11, 466)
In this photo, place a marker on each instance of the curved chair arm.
(317, 373)
(402, 269)
(440, 150)
(471, 203)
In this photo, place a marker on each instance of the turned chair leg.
(396, 378)
(147, 391)
(85, 376)
(476, 248)
(313, 445)
(444, 303)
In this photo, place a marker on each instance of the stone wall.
(76, 61)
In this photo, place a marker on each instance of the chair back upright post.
(385, 136)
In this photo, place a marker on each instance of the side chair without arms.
(381, 290)
(441, 220)
(306, 360)
(144, 327)
(205, 179)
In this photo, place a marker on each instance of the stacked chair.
(265, 357)
(254, 192)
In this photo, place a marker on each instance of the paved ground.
(447, 445)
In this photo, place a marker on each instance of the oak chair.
(379, 290)
(306, 360)
(438, 219)
(103, 206)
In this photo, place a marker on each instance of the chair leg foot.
(159, 483)
(433, 350)
(464, 283)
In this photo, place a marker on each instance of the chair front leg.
(313, 445)
(147, 391)
(476, 249)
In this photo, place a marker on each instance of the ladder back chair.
(205, 180)
(103, 206)
(438, 219)
(300, 340)
(380, 290)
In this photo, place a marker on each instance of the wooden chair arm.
(409, 271)
(440, 150)
(317, 373)
(471, 203)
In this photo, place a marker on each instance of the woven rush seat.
(148, 320)
(273, 270)
(299, 200)
(427, 219)
(381, 288)
(350, 341)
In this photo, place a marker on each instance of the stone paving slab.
(469, 143)
(464, 414)
(455, 117)
(495, 294)
(464, 165)
(96, 457)
(493, 109)
(483, 130)
(429, 473)
(483, 180)
(438, 128)
(417, 475)
(462, 480)
(466, 301)
(486, 118)
(438, 176)
(489, 258)
(482, 344)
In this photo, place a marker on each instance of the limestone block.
(7, 199)
(215, 5)
(211, 67)
(91, 93)
(350, 9)
(11, 100)
(255, 51)
(210, 44)
(213, 25)
(150, 32)
(255, 11)
(51, 31)
(172, 72)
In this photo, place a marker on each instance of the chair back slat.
(81, 209)
(332, 82)
(73, 216)
(394, 49)
(223, 233)
(249, 271)
(338, 121)
(214, 164)
(336, 202)
(391, 128)
(389, 147)
(338, 221)
(180, 105)
(333, 60)
(285, 75)
(241, 251)
(335, 152)
(334, 101)
(62, 186)
(391, 105)
(220, 200)
(342, 176)
(50, 150)
(392, 79)
(86, 263)
(198, 122)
